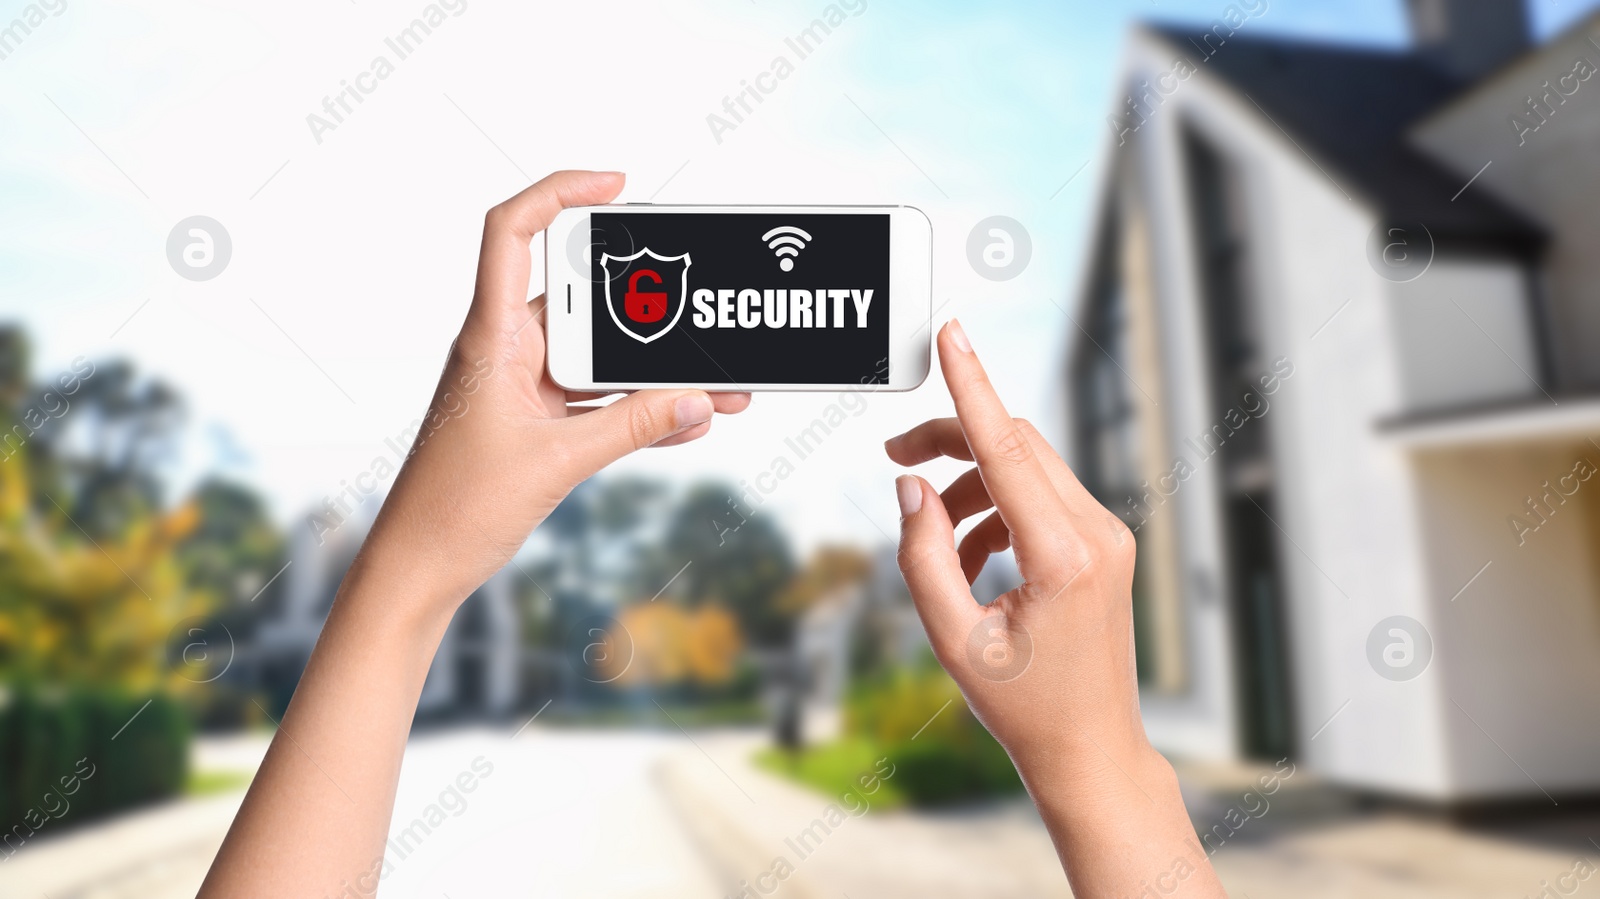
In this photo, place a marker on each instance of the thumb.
(931, 567)
(505, 260)
(633, 423)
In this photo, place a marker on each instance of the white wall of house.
(1463, 335)
(1375, 525)
(1548, 174)
(1351, 549)
(1518, 651)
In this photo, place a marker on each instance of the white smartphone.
(739, 297)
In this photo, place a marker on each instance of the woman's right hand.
(1049, 666)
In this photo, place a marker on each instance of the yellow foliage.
(96, 611)
(909, 703)
(657, 632)
(671, 645)
(182, 521)
(714, 644)
(828, 569)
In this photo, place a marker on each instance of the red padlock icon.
(642, 306)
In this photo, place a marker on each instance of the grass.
(211, 783)
(835, 769)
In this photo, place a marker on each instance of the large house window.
(1235, 359)
(1109, 441)
(1106, 415)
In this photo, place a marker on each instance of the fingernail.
(910, 493)
(959, 337)
(693, 409)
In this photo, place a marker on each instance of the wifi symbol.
(786, 242)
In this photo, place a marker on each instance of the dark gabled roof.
(1349, 108)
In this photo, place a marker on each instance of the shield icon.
(646, 292)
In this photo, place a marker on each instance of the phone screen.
(740, 298)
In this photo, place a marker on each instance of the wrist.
(424, 549)
(1098, 778)
(1128, 808)
(399, 590)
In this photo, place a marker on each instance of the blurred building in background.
(476, 671)
(1340, 334)
(873, 622)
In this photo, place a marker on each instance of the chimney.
(1469, 38)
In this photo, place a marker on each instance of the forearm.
(1048, 667)
(502, 444)
(317, 815)
(1119, 825)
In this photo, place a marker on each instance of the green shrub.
(46, 733)
(935, 772)
(940, 751)
(897, 706)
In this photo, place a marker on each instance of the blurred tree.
(108, 446)
(15, 358)
(673, 645)
(828, 569)
(95, 569)
(658, 632)
(100, 574)
(84, 611)
(623, 504)
(627, 513)
(744, 568)
(714, 644)
(235, 547)
(689, 595)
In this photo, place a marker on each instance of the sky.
(353, 249)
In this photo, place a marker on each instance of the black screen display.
(740, 298)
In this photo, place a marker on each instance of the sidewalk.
(153, 853)
(149, 853)
(752, 825)
(1317, 841)
(556, 812)
(1313, 842)
(575, 813)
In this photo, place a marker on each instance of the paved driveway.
(621, 813)
(561, 813)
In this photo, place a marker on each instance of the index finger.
(504, 262)
(1012, 472)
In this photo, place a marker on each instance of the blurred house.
(875, 623)
(1339, 347)
(477, 667)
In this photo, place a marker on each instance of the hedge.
(941, 754)
(70, 755)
